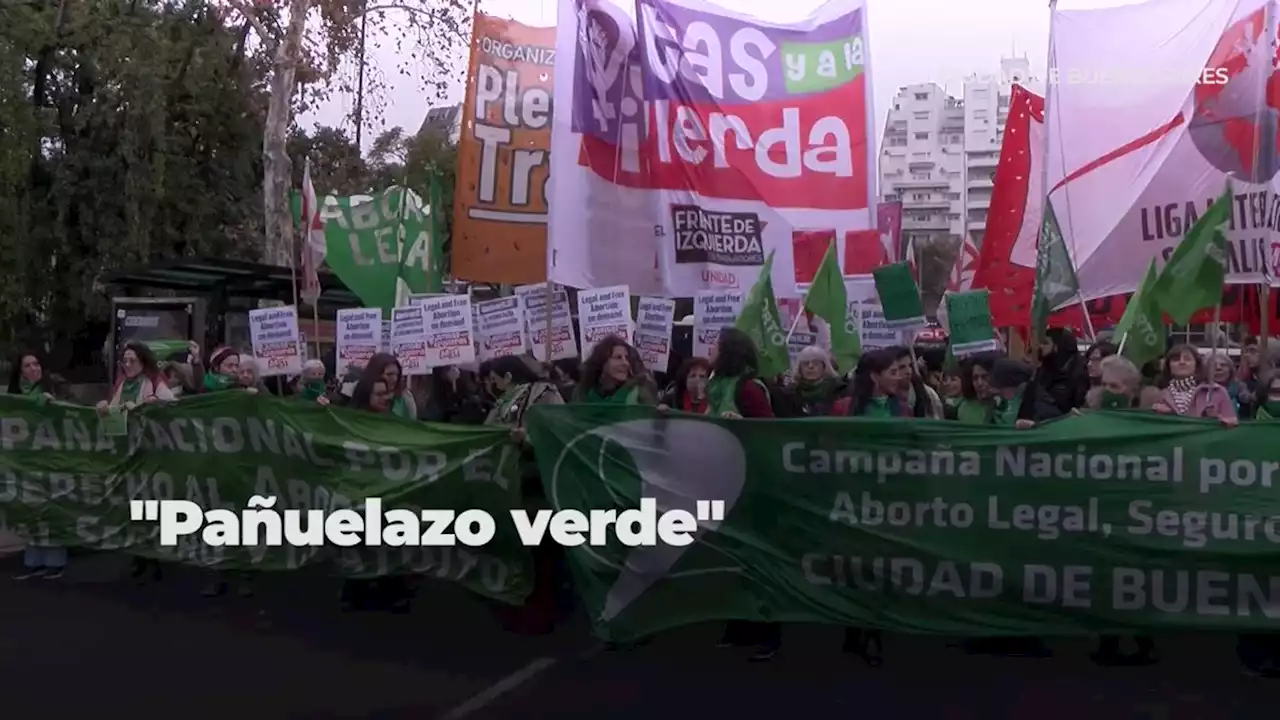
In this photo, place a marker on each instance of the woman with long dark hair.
(689, 391)
(517, 388)
(140, 380)
(977, 398)
(27, 377)
(1093, 358)
(1058, 373)
(913, 391)
(385, 368)
(735, 389)
(614, 373)
(874, 391)
(451, 397)
(392, 593)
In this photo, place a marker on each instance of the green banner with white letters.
(1117, 520)
(66, 479)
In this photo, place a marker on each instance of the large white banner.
(692, 138)
(1153, 106)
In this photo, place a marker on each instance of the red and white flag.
(312, 245)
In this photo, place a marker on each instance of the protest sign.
(501, 328)
(969, 323)
(601, 313)
(712, 312)
(448, 326)
(277, 348)
(64, 481)
(1109, 520)
(865, 310)
(359, 337)
(386, 336)
(899, 297)
(799, 341)
(564, 342)
(655, 318)
(409, 339)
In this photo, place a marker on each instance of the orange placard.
(500, 203)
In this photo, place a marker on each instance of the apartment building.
(939, 154)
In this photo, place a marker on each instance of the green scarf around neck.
(811, 390)
(312, 391)
(975, 412)
(214, 382)
(620, 396)
(130, 389)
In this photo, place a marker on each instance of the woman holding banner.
(1186, 391)
(977, 404)
(816, 388)
(613, 373)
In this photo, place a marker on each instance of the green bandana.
(879, 407)
(312, 390)
(620, 396)
(214, 382)
(810, 391)
(1006, 411)
(974, 412)
(28, 388)
(400, 408)
(1270, 410)
(1115, 401)
(129, 390)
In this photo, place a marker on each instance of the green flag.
(828, 300)
(1141, 328)
(899, 297)
(759, 319)
(1193, 277)
(372, 242)
(1056, 280)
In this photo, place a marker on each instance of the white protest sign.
(603, 312)
(358, 336)
(864, 304)
(448, 324)
(713, 310)
(564, 343)
(386, 336)
(798, 342)
(409, 339)
(501, 328)
(277, 347)
(652, 338)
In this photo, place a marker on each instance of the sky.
(912, 41)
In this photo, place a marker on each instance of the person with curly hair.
(614, 373)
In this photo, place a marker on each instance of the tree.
(127, 135)
(397, 158)
(309, 41)
(336, 165)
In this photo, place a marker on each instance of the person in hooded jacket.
(815, 388)
(688, 393)
(1059, 373)
(1020, 401)
(614, 374)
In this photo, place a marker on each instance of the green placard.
(899, 297)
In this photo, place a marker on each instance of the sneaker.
(54, 573)
(30, 574)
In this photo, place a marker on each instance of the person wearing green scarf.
(977, 402)
(310, 386)
(223, 371)
(816, 387)
(1020, 401)
(27, 378)
(614, 374)
(1120, 387)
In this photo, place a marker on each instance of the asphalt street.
(94, 642)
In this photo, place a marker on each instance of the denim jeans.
(44, 557)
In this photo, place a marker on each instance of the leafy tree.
(397, 158)
(311, 41)
(128, 131)
(336, 165)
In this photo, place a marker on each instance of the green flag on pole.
(1140, 331)
(828, 300)
(1193, 277)
(1056, 282)
(759, 320)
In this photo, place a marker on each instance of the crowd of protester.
(986, 389)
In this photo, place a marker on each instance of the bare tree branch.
(269, 37)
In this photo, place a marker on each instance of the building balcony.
(908, 183)
(975, 224)
(975, 183)
(985, 159)
(941, 224)
(981, 202)
(931, 204)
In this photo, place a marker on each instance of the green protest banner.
(1106, 521)
(899, 297)
(969, 318)
(372, 243)
(65, 479)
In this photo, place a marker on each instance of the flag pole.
(1264, 292)
(795, 323)
(1050, 66)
